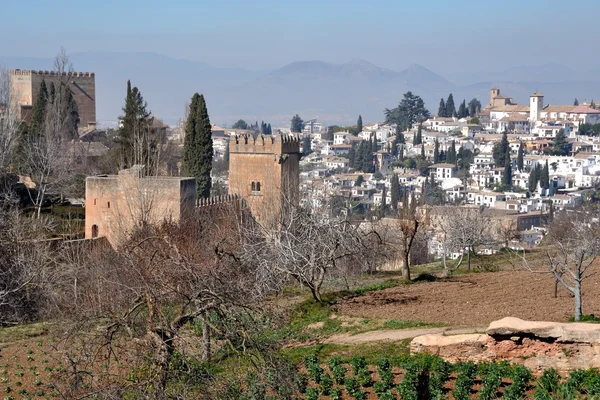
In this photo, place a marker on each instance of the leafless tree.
(308, 247)
(572, 246)
(26, 268)
(463, 229)
(9, 121)
(409, 223)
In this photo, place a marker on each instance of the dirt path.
(399, 334)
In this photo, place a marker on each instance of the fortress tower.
(26, 85)
(265, 172)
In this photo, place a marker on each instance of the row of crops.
(428, 377)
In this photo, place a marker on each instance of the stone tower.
(493, 93)
(536, 105)
(25, 85)
(265, 172)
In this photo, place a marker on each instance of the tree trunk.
(556, 288)
(469, 258)
(406, 267)
(206, 354)
(316, 293)
(578, 305)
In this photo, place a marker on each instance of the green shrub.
(351, 384)
(386, 396)
(325, 384)
(358, 363)
(334, 362)
(547, 384)
(384, 364)
(301, 382)
(256, 389)
(440, 371)
(339, 374)
(310, 360)
(364, 377)
(315, 372)
(380, 387)
(521, 376)
(464, 380)
(311, 394)
(491, 375)
(408, 387)
(336, 394)
(359, 395)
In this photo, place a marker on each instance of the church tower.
(536, 105)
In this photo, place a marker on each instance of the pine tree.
(395, 192)
(197, 147)
(560, 145)
(520, 158)
(359, 125)
(450, 108)
(135, 144)
(507, 178)
(442, 108)
(297, 124)
(436, 152)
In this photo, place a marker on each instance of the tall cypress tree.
(436, 152)
(38, 112)
(534, 177)
(374, 146)
(197, 146)
(499, 150)
(520, 157)
(507, 178)
(451, 157)
(367, 157)
(442, 108)
(395, 191)
(420, 134)
(450, 107)
(422, 151)
(351, 156)
(359, 157)
(545, 177)
(359, 124)
(462, 110)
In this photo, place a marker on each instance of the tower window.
(255, 188)
(108, 205)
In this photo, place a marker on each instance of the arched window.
(253, 187)
(258, 186)
(94, 231)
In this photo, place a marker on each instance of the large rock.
(437, 343)
(510, 327)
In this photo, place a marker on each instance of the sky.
(447, 36)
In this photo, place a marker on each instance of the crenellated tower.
(265, 172)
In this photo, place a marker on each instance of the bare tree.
(308, 247)
(408, 224)
(9, 121)
(463, 230)
(573, 244)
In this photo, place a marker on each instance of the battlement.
(27, 72)
(266, 144)
(215, 200)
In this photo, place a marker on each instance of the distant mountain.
(335, 93)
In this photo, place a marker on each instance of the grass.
(24, 331)
(394, 324)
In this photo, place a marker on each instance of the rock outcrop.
(536, 344)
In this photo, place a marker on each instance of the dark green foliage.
(386, 396)
(491, 375)
(547, 384)
(336, 394)
(450, 107)
(351, 384)
(339, 373)
(399, 135)
(311, 394)
(440, 371)
(38, 112)
(521, 376)
(359, 181)
(197, 146)
(316, 372)
(367, 157)
(419, 138)
(451, 156)
(507, 177)
(520, 158)
(410, 110)
(364, 377)
(462, 110)
(135, 132)
(436, 152)
(326, 383)
(464, 381)
(575, 102)
(499, 151)
(374, 146)
(560, 145)
(474, 107)
(408, 388)
(359, 125)
(352, 156)
(545, 177)
(301, 382)
(534, 177)
(256, 390)
(395, 191)
(442, 108)
(589, 129)
(240, 124)
(306, 146)
(358, 363)
(297, 124)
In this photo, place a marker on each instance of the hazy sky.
(444, 35)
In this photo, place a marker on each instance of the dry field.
(474, 299)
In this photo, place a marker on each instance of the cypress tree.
(422, 151)
(374, 146)
(359, 157)
(269, 130)
(462, 110)
(399, 135)
(499, 150)
(436, 152)
(507, 178)
(38, 112)
(450, 108)
(414, 139)
(359, 125)
(442, 157)
(420, 134)
(442, 108)
(351, 156)
(383, 203)
(395, 192)
(367, 164)
(545, 178)
(197, 147)
(451, 157)
(520, 158)
(534, 176)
